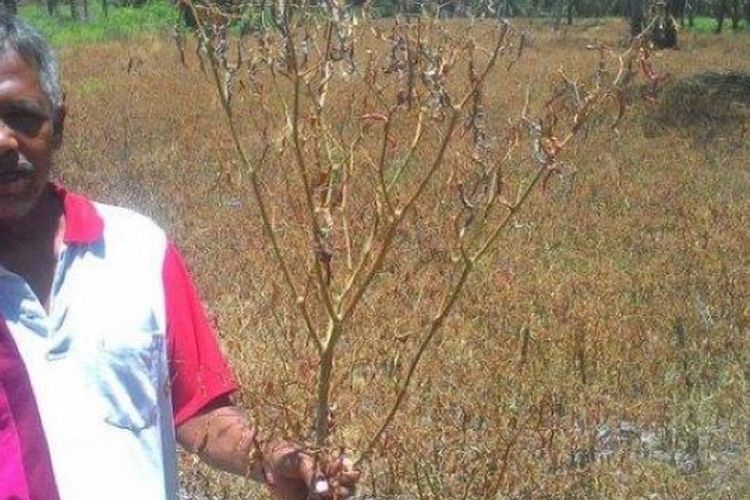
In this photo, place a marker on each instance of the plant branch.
(435, 325)
(399, 215)
(302, 170)
(255, 184)
(410, 153)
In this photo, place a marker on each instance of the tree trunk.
(634, 12)
(51, 7)
(720, 12)
(570, 12)
(736, 13)
(506, 8)
(85, 4)
(691, 7)
(105, 8)
(676, 9)
(75, 10)
(11, 6)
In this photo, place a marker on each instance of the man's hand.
(291, 473)
(223, 438)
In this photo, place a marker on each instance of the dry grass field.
(601, 350)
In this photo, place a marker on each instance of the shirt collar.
(83, 224)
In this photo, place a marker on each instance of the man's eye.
(23, 122)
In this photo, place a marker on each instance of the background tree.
(572, 8)
(676, 9)
(634, 11)
(663, 32)
(11, 6)
(79, 10)
(692, 8)
(735, 12)
(720, 10)
(731, 8)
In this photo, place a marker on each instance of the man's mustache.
(15, 169)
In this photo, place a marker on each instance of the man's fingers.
(300, 465)
(342, 476)
(308, 471)
(326, 479)
(348, 478)
(344, 485)
(341, 469)
(285, 489)
(342, 493)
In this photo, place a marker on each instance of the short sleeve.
(199, 371)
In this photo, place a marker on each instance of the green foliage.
(121, 22)
(704, 24)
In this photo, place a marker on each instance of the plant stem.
(325, 371)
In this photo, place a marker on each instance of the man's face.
(27, 138)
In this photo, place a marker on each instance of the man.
(106, 357)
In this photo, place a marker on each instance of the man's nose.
(8, 141)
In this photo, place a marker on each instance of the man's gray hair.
(26, 41)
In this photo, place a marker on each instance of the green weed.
(120, 22)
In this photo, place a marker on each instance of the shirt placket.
(59, 342)
(22, 306)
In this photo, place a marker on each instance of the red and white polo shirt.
(91, 391)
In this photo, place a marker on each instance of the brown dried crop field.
(601, 350)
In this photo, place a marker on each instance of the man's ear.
(58, 125)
